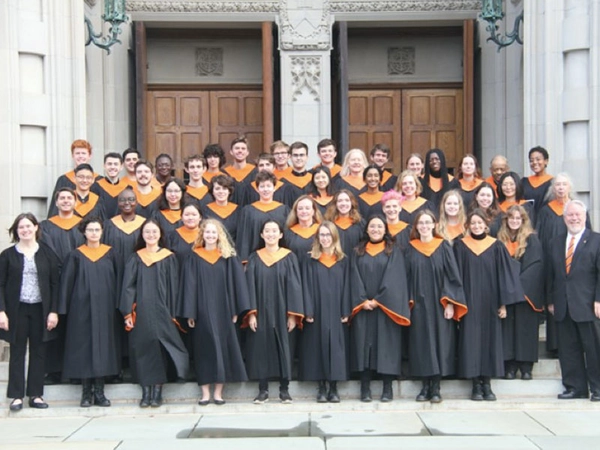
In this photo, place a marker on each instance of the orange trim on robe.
(84, 208)
(455, 230)
(334, 171)
(270, 258)
(537, 180)
(385, 176)
(239, 174)
(459, 309)
(266, 207)
(65, 224)
(210, 256)
(356, 182)
(94, 254)
(412, 205)
(533, 306)
(187, 234)
(344, 222)
(130, 226)
(328, 260)
(478, 246)
(305, 232)
(396, 318)
(246, 318)
(282, 174)
(396, 228)
(557, 206)
(426, 248)
(371, 199)
(112, 189)
(132, 316)
(512, 247)
(435, 184)
(278, 184)
(298, 318)
(208, 176)
(145, 199)
(507, 204)
(299, 181)
(323, 201)
(222, 211)
(172, 215)
(149, 258)
(374, 249)
(197, 192)
(468, 186)
(490, 180)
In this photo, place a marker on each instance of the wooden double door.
(408, 121)
(181, 123)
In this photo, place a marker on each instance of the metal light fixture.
(114, 13)
(491, 12)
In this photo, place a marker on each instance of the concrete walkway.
(273, 427)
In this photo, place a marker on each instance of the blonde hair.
(442, 225)
(292, 218)
(224, 241)
(316, 250)
(355, 151)
(405, 174)
(525, 230)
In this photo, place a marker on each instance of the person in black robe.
(437, 300)
(283, 192)
(88, 292)
(241, 171)
(276, 309)
(536, 186)
(170, 205)
(297, 175)
(484, 198)
(222, 209)
(520, 329)
(369, 201)
(491, 282)
(391, 207)
(213, 294)
(29, 275)
(320, 188)
(452, 217)
(436, 179)
(380, 308)
(147, 189)
(181, 240)
(343, 211)
(149, 303)
(196, 189)
(410, 187)
(87, 203)
(110, 186)
(252, 217)
(380, 157)
(351, 175)
(301, 226)
(510, 192)
(326, 290)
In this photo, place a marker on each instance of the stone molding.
(338, 6)
(91, 3)
(201, 6)
(299, 31)
(306, 74)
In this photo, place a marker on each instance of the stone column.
(305, 46)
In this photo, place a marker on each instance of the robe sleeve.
(347, 298)
(243, 239)
(508, 273)
(532, 275)
(172, 277)
(307, 283)
(452, 289)
(293, 289)
(188, 292)
(67, 282)
(129, 286)
(357, 287)
(392, 296)
(238, 295)
(251, 284)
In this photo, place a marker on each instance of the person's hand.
(367, 305)
(3, 321)
(502, 312)
(551, 308)
(234, 319)
(191, 323)
(374, 304)
(310, 319)
(52, 321)
(597, 309)
(344, 319)
(252, 322)
(129, 323)
(449, 311)
(291, 323)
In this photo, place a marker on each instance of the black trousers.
(579, 354)
(29, 325)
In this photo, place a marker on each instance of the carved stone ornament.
(306, 75)
(305, 25)
(91, 3)
(401, 61)
(202, 6)
(209, 62)
(404, 5)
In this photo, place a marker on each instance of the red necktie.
(570, 251)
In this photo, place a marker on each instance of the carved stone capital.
(305, 25)
(306, 76)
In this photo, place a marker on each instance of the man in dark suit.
(575, 295)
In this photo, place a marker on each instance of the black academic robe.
(228, 215)
(356, 185)
(89, 285)
(370, 204)
(490, 280)
(62, 235)
(213, 291)
(550, 223)
(275, 292)
(388, 181)
(535, 188)
(411, 208)
(299, 183)
(180, 242)
(300, 240)
(401, 234)
(150, 282)
(241, 178)
(65, 180)
(198, 195)
(109, 194)
(322, 203)
(467, 191)
(169, 219)
(350, 234)
(147, 204)
(89, 206)
(122, 236)
(323, 343)
(520, 328)
(284, 193)
(435, 197)
(252, 218)
(376, 336)
(434, 281)
(526, 204)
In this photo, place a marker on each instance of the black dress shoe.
(571, 394)
(16, 406)
(526, 376)
(219, 402)
(595, 397)
(510, 375)
(204, 402)
(39, 405)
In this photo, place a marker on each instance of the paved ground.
(280, 426)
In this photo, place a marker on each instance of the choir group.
(350, 270)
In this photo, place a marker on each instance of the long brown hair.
(524, 231)
(316, 250)
(332, 213)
